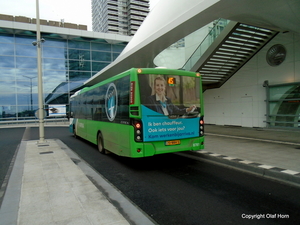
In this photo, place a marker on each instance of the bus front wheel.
(100, 144)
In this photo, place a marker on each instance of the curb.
(284, 175)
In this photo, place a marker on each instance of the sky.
(71, 11)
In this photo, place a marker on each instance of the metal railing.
(279, 120)
(32, 121)
(219, 25)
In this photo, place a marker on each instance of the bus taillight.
(138, 130)
(201, 126)
(138, 126)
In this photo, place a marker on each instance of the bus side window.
(145, 89)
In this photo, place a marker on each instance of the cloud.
(72, 11)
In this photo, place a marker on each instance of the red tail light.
(138, 126)
(201, 127)
(138, 130)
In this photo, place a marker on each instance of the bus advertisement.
(141, 112)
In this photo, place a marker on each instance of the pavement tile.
(62, 199)
(106, 217)
(42, 217)
(87, 192)
(77, 180)
(82, 220)
(66, 211)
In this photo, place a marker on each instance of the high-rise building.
(119, 16)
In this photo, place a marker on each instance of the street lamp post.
(40, 77)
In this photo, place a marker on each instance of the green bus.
(141, 112)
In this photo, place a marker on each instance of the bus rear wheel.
(100, 144)
(74, 132)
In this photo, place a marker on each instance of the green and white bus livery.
(141, 112)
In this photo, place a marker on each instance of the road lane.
(10, 138)
(173, 189)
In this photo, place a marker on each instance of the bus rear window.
(170, 94)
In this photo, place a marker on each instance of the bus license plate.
(174, 142)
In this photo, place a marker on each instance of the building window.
(66, 64)
(283, 105)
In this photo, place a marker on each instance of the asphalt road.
(173, 189)
(10, 138)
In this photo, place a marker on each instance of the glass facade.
(66, 64)
(283, 105)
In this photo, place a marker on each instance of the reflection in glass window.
(79, 44)
(52, 79)
(101, 56)
(26, 50)
(54, 64)
(7, 74)
(82, 65)
(79, 76)
(75, 85)
(7, 111)
(57, 75)
(279, 92)
(7, 61)
(20, 73)
(49, 52)
(78, 54)
(58, 87)
(27, 86)
(25, 39)
(97, 66)
(7, 87)
(101, 47)
(7, 99)
(115, 55)
(7, 38)
(284, 105)
(64, 69)
(57, 98)
(25, 99)
(26, 112)
(26, 62)
(55, 43)
(6, 49)
(118, 48)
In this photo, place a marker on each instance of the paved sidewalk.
(269, 152)
(47, 187)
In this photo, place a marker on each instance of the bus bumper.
(159, 147)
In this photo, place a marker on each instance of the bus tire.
(100, 144)
(74, 132)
